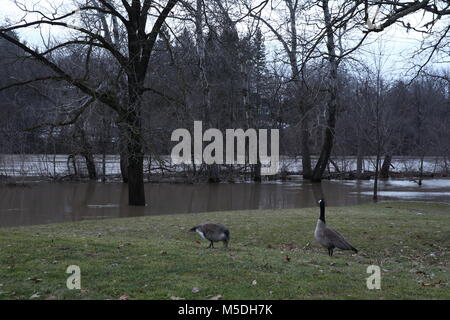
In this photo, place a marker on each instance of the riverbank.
(272, 255)
(235, 177)
(160, 168)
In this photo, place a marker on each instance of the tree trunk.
(445, 165)
(104, 166)
(124, 166)
(54, 160)
(70, 158)
(359, 165)
(375, 183)
(384, 173)
(213, 173)
(335, 166)
(90, 164)
(86, 151)
(256, 172)
(123, 155)
(421, 171)
(359, 157)
(327, 146)
(149, 166)
(212, 170)
(136, 191)
(306, 154)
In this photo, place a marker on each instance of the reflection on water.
(410, 195)
(73, 201)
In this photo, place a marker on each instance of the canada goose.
(213, 232)
(328, 237)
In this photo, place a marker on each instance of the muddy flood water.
(47, 202)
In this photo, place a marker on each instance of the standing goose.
(328, 237)
(213, 232)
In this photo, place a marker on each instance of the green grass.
(156, 258)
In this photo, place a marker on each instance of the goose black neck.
(322, 211)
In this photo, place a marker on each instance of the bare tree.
(289, 39)
(434, 24)
(133, 62)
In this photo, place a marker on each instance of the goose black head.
(322, 210)
(194, 229)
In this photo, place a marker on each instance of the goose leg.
(211, 245)
(330, 252)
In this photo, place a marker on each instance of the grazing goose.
(328, 237)
(213, 232)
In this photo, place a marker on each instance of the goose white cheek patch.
(200, 233)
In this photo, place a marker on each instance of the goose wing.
(337, 239)
(214, 231)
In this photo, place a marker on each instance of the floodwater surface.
(52, 202)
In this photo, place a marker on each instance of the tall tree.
(134, 62)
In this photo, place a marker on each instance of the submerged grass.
(272, 255)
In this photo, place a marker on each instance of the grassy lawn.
(272, 255)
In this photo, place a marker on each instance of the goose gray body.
(328, 237)
(213, 232)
